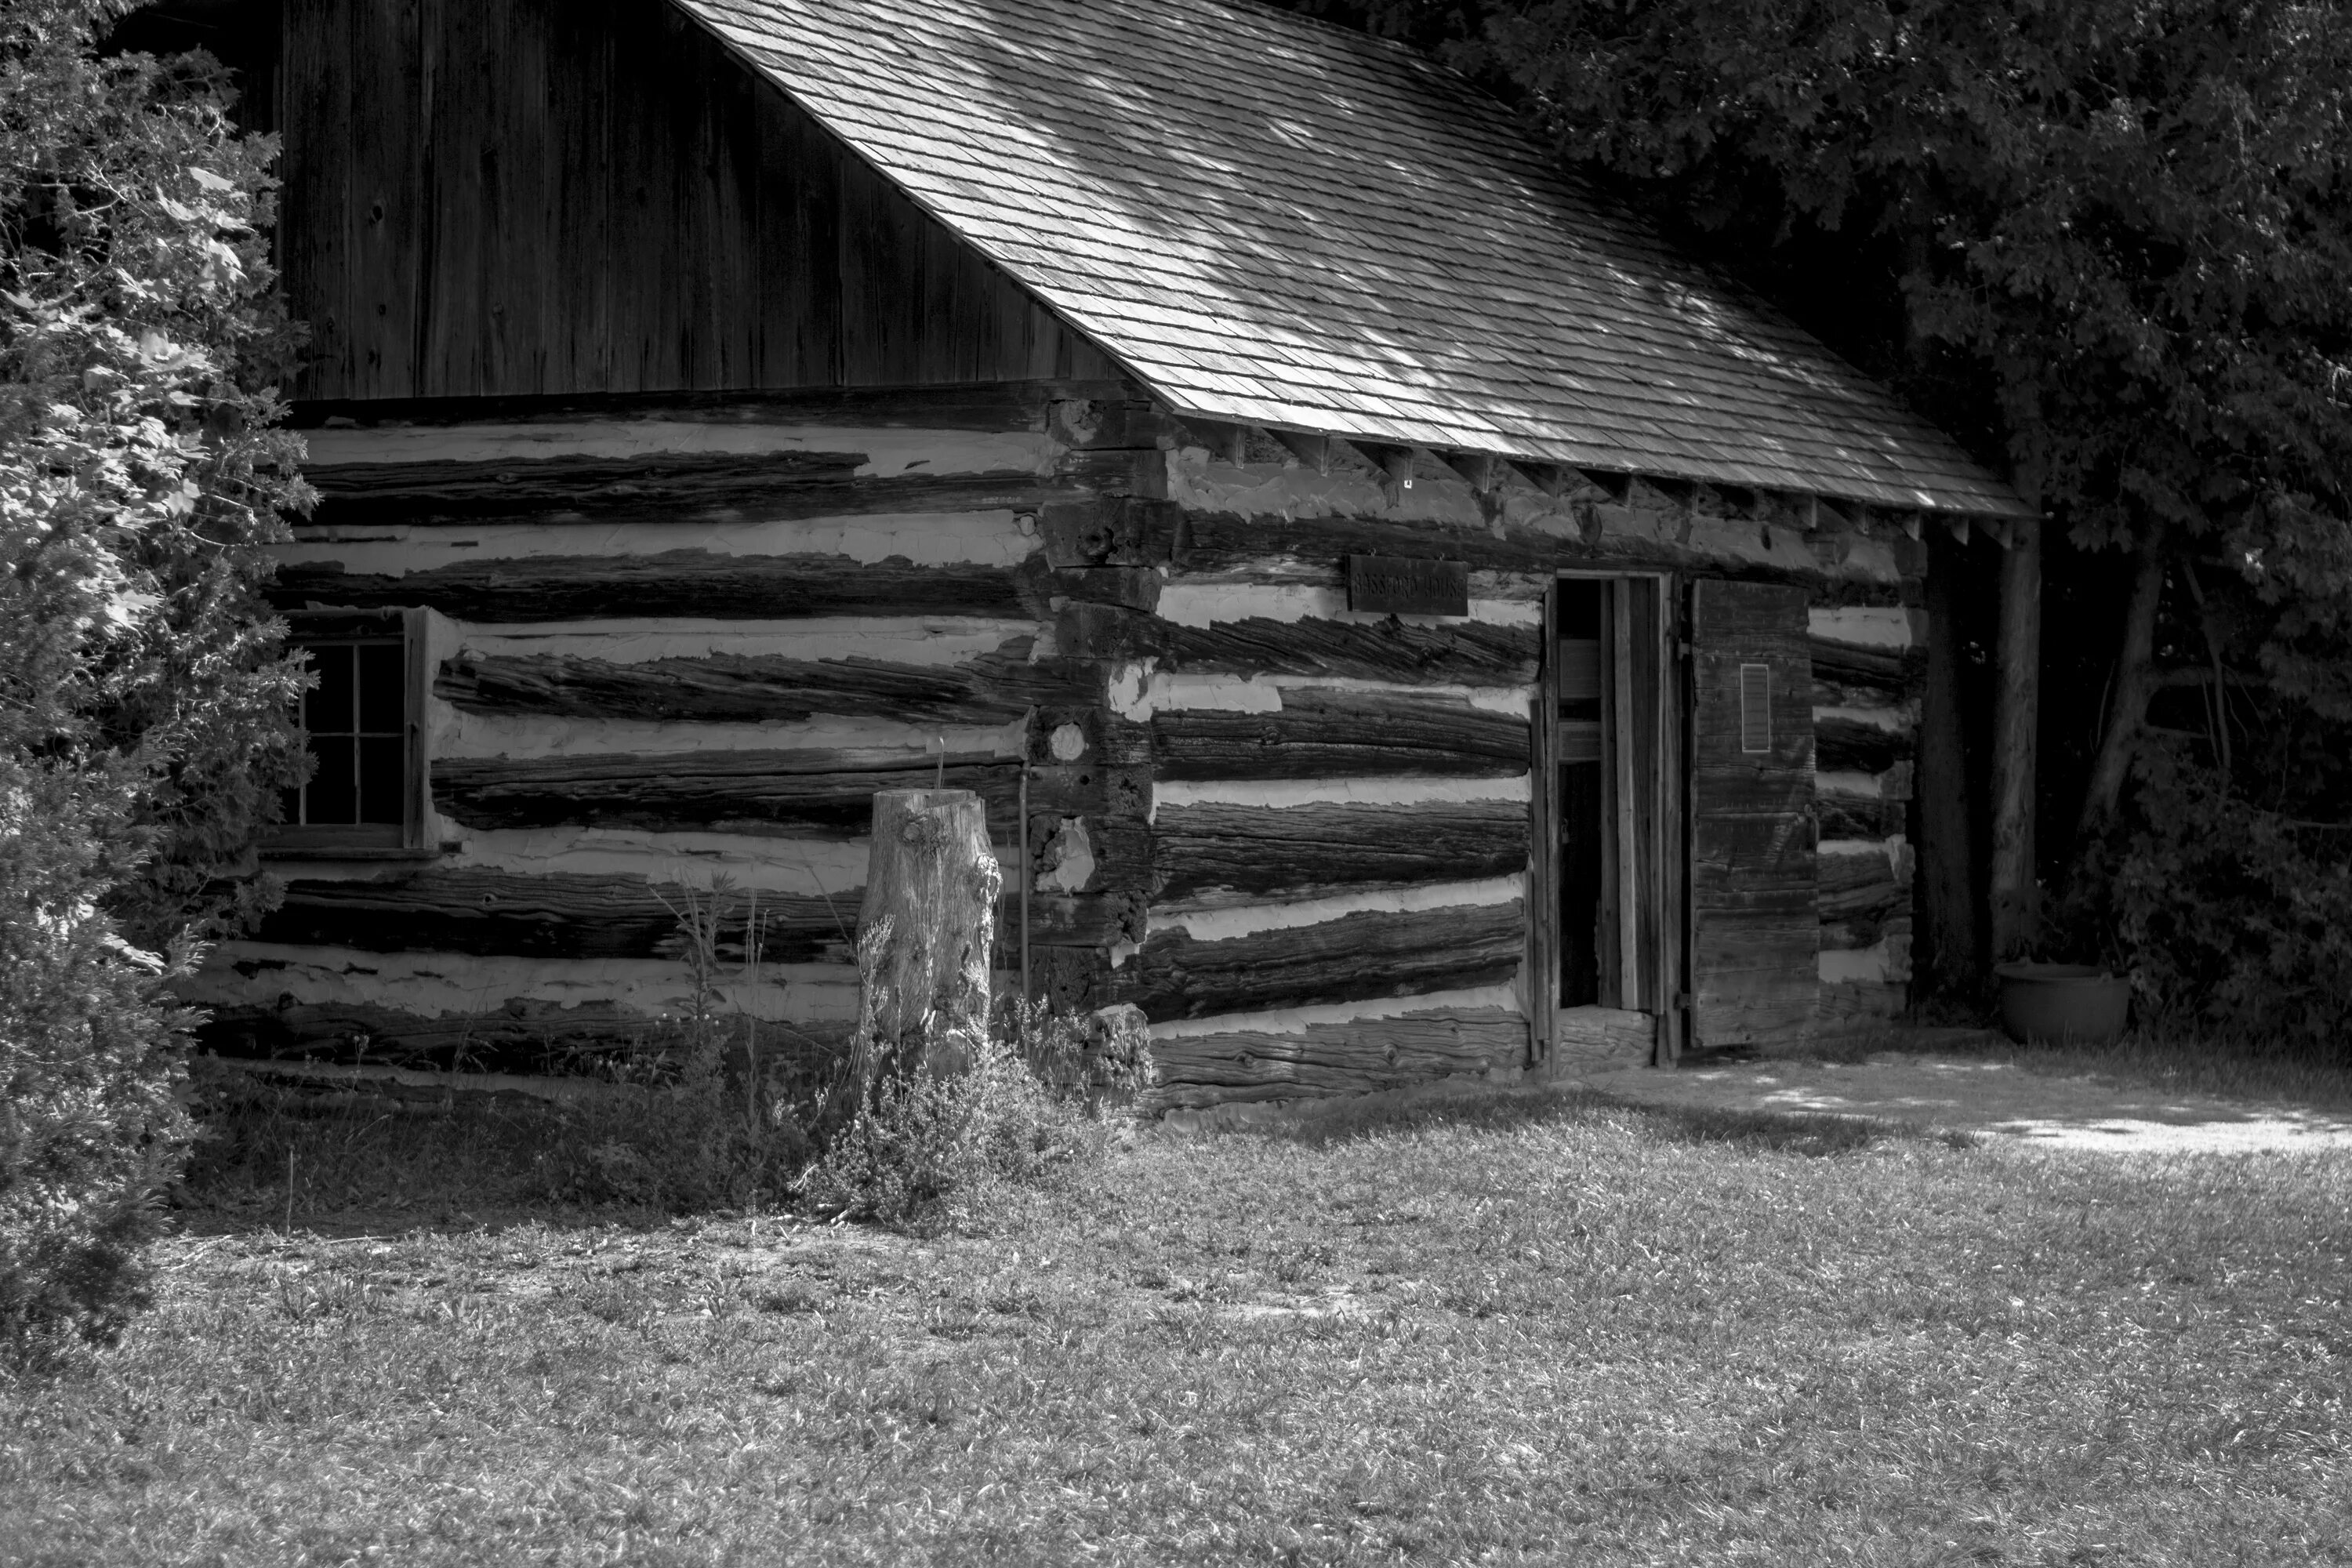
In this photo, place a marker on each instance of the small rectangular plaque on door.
(1400, 585)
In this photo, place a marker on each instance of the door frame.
(1656, 951)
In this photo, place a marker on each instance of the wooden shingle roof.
(1273, 221)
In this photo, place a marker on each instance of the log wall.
(1869, 663)
(1341, 802)
(681, 649)
(688, 644)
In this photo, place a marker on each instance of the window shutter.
(1754, 922)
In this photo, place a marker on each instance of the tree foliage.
(2107, 240)
(144, 693)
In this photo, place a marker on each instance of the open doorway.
(1611, 793)
(1674, 888)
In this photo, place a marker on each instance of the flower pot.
(2062, 1004)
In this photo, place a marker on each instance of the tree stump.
(924, 934)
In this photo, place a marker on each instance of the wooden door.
(1755, 924)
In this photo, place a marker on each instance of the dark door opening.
(1610, 799)
(1577, 677)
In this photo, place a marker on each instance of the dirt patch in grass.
(1510, 1331)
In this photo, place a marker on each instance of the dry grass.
(1501, 1331)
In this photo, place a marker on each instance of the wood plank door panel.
(1755, 920)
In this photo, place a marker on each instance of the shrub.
(144, 696)
(1037, 1099)
(90, 1127)
(2230, 917)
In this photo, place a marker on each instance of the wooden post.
(925, 933)
(2017, 707)
(1950, 909)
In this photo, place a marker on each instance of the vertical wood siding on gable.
(503, 197)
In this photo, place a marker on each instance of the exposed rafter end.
(1959, 527)
(1395, 463)
(1314, 451)
(1617, 486)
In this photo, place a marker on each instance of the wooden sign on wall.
(1397, 585)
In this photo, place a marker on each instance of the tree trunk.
(2134, 684)
(924, 934)
(1950, 912)
(2016, 907)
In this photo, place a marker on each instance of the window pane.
(332, 794)
(380, 780)
(381, 709)
(329, 709)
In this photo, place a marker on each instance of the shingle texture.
(1273, 221)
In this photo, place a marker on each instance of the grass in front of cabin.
(1510, 1331)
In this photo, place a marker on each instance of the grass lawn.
(1512, 1331)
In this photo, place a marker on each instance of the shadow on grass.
(279, 1165)
(1811, 1133)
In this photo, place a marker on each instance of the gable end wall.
(516, 197)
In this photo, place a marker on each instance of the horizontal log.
(696, 583)
(1227, 542)
(1588, 1039)
(1217, 851)
(1860, 886)
(1868, 931)
(712, 484)
(485, 911)
(1456, 654)
(1851, 745)
(1894, 673)
(1340, 734)
(816, 792)
(532, 1037)
(1465, 652)
(1350, 959)
(1859, 816)
(1359, 1057)
(671, 483)
(755, 689)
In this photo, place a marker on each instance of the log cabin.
(1404, 619)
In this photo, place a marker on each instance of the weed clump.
(1040, 1094)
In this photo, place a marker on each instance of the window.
(363, 721)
